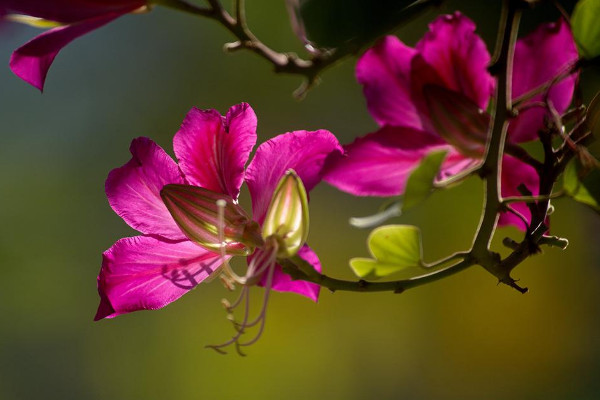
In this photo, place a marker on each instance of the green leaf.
(333, 23)
(393, 248)
(420, 181)
(586, 28)
(586, 189)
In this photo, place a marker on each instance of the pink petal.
(385, 72)
(457, 119)
(515, 173)
(539, 57)
(70, 11)
(303, 151)
(31, 61)
(213, 150)
(143, 273)
(379, 164)
(283, 283)
(133, 190)
(456, 162)
(459, 56)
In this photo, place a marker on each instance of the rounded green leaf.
(586, 28)
(393, 247)
(585, 190)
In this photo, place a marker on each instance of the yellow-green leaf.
(585, 190)
(586, 28)
(393, 248)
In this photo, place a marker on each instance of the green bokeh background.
(461, 338)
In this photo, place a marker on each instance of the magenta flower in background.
(75, 18)
(433, 97)
(156, 268)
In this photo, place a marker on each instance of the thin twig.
(286, 63)
(307, 273)
(532, 199)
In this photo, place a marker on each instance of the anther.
(226, 304)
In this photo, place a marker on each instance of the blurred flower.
(433, 97)
(68, 19)
(176, 250)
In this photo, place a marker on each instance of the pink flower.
(433, 96)
(31, 61)
(156, 268)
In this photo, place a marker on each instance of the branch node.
(233, 46)
(510, 243)
(513, 284)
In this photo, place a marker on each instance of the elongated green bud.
(196, 212)
(287, 216)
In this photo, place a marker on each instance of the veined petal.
(539, 57)
(212, 150)
(385, 73)
(515, 173)
(144, 273)
(133, 190)
(303, 151)
(457, 119)
(196, 212)
(459, 56)
(283, 283)
(70, 11)
(31, 61)
(379, 164)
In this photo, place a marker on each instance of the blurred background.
(461, 338)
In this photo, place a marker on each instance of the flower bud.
(196, 212)
(287, 216)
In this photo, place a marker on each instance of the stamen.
(263, 312)
(238, 327)
(227, 282)
(264, 261)
(221, 231)
(253, 274)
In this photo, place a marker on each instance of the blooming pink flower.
(418, 95)
(156, 268)
(31, 61)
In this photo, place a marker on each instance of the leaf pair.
(393, 248)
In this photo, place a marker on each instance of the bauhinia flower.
(68, 20)
(433, 97)
(190, 220)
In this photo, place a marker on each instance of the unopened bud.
(287, 216)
